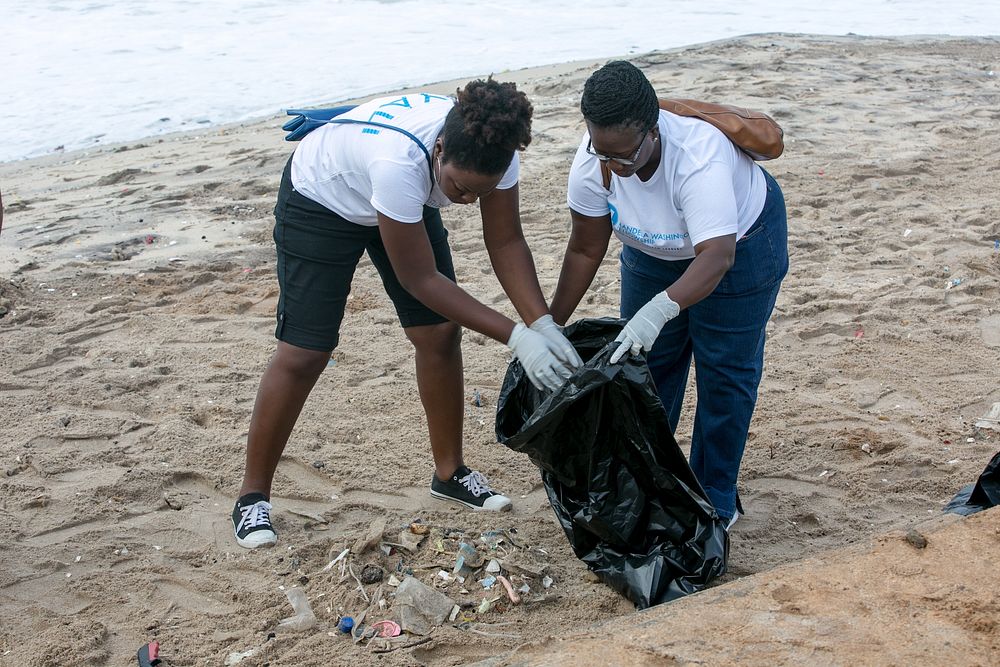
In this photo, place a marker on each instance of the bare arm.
(412, 259)
(712, 259)
(509, 253)
(588, 243)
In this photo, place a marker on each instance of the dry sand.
(139, 287)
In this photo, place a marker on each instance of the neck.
(648, 169)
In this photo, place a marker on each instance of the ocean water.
(79, 73)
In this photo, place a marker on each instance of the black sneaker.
(471, 489)
(252, 522)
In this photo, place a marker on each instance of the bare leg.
(283, 391)
(441, 385)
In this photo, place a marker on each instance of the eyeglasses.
(625, 162)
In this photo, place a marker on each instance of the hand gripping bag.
(619, 484)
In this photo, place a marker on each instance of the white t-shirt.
(703, 188)
(356, 170)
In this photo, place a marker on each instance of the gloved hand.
(537, 354)
(567, 354)
(641, 331)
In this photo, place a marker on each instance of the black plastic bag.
(985, 493)
(619, 484)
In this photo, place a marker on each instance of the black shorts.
(317, 253)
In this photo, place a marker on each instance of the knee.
(441, 340)
(299, 361)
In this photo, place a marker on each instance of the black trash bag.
(985, 493)
(619, 484)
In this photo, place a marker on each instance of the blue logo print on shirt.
(404, 102)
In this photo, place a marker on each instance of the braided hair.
(620, 95)
(488, 123)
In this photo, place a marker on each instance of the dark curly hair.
(489, 122)
(620, 95)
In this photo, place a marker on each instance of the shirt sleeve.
(585, 193)
(399, 189)
(708, 202)
(510, 176)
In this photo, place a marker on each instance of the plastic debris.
(418, 528)
(393, 581)
(236, 657)
(991, 419)
(907, 233)
(488, 582)
(467, 560)
(304, 617)
(387, 628)
(514, 597)
(345, 625)
(149, 654)
(373, 535)
(494, 566)
(420, 607)
(546, 581)
(487, 604)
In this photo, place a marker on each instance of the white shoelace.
(258, 514)
(476, 483)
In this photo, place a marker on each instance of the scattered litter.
(493, 567)
(524, 589)
(372, 574)
(176, 259)
(488, 582)
(393, 581)
(420, 607)
(172, 243)
(477, 399)
(970, 439)
(514, 597)
(345, 625)
(374, 534)
(149, 655)
(492, 538)
(546, 581)
(418, 528)
(410, 541)
(954, 282)
(991, 419)
(308, 515)
(487, 604)
(859, 333)
(444, 576)
(304, 617)
(237, 657)
(329, 566)
(824, 473)
(907, 233)
(867, 448)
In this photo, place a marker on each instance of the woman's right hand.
(538, 356)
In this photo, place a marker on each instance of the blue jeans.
(725, 334)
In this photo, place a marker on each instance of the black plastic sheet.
(985, 493)
(619, 484)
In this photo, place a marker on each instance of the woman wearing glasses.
(704, 251)
(375, 184)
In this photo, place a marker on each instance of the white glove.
(641, 331)
(537, 354)
(546, 326)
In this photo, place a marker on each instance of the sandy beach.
(137, 293)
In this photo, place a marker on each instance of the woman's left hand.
(641, 331)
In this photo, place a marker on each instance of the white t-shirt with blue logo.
(703, 188)
(357, 171)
